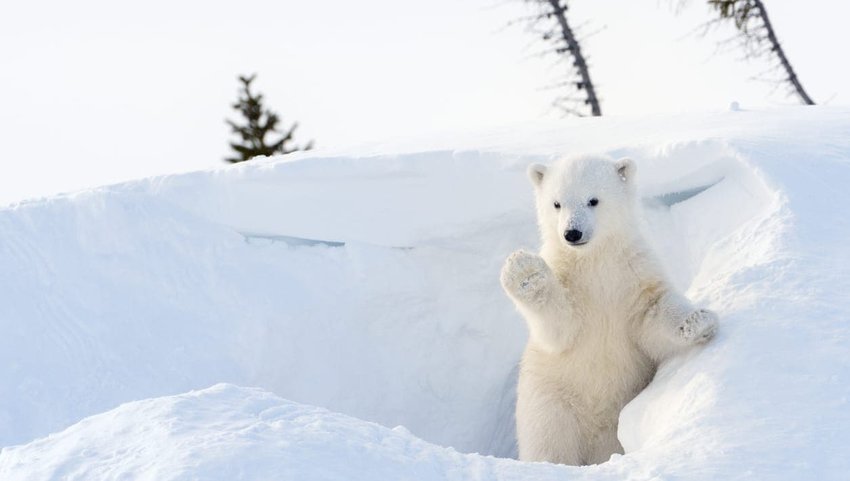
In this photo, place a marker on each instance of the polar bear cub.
(600, 313)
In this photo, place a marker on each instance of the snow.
(367, 285)
(226, 432)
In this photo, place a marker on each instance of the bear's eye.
(557, 205)
(592, 202)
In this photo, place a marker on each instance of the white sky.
(94, 92)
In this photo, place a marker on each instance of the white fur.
(601, 315)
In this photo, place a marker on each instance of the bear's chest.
(607, 296)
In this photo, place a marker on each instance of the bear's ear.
(536, 173)
(626, 169)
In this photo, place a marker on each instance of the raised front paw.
(526, 276)
(699, 326)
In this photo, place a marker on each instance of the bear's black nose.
(572, 235)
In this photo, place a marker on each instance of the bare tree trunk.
(580, 63)
(776, 47)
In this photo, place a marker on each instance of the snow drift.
(369, 286)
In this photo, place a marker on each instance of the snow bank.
(225, 433)
(159, 287)
(369, 286)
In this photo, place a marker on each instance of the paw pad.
(524, 274)
(700, 326)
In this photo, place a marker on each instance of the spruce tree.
(758, 38)
(581, 94)
(260, 122)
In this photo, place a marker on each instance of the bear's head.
(583, 201)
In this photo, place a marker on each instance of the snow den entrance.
(423, 337)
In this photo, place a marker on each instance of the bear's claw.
(699, 327)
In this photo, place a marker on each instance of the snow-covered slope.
(369, 286)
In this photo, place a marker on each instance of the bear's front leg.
(540, 298)
(673, 324)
